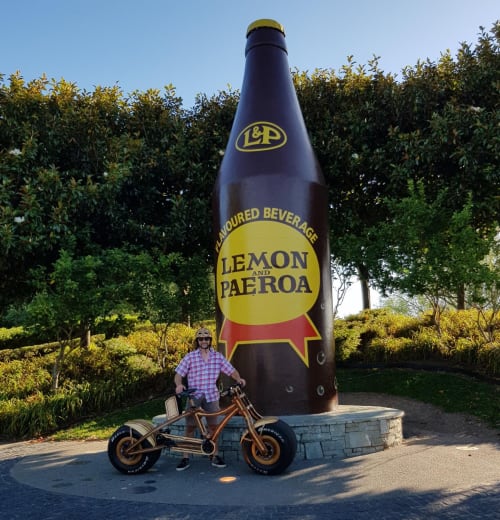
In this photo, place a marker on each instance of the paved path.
(431, 477)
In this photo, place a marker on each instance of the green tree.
(350, 115)
(56, 146)
(485, 295)
(430, 249)
(438, 126)
(172, 289)
(448, 137)
(74, 295)
(146, 178)
(208, 125)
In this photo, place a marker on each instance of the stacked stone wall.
(349, 431)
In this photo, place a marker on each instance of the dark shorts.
(208, 407)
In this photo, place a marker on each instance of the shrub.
(465, 351)
(489, 358)
(361, 338)
(12, 337)
(15, 337)
(20, 379)
(427, 343)
(145, 342)
(460, 324)
(22, 418)
(40, 414)
(391, 349)
(178, 341)
(347, 338)
(115, 359)
(125, 369)
(116, 326)
(28, 352)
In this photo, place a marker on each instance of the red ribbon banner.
(297, 332)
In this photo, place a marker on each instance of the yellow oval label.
(261, 136)
(267, 272)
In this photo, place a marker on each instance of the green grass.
(451, 392)
(103, 427)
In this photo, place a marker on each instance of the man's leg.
(212, 423)
(189, 432)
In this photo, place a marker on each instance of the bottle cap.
(265, 22)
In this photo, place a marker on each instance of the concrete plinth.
(348, 431)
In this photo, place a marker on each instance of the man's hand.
(179, 389)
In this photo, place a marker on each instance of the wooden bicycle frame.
(205, 445)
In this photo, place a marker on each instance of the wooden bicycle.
(268, 444)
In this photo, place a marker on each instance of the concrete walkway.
(436, 476)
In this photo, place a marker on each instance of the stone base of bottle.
(349, 431)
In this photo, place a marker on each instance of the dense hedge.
(15, 337)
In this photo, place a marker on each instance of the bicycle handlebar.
(224, 393)
(230, 389)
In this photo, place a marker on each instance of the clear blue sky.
(198, 45)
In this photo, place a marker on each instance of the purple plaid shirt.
(203, 375)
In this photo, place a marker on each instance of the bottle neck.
(265, 36)
(269, 136)
(267, 88)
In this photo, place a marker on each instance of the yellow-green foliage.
(382, 323)
(355, 336)
(145, 342)
(470, 324)
(28, 352)
(7, 334)
(427, 343)
(116, 357)
(13, 337)
(42, 413)
(488, 357)
(101, 377)
(391, 348)
(179, 340)
(113, 372)
(381, 336)
(21, 379)
(347, 340)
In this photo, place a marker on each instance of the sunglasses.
(205, 338)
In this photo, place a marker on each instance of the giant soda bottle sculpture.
(273, 282)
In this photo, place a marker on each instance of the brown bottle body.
(273, 282)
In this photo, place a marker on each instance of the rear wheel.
(130, 463)
(281, 445)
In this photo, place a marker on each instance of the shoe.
(217, 462)
(183, 464)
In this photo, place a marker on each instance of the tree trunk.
(461, 298)
(364, 279)
(56, 368)
(85, 335)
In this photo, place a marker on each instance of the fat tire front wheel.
(281, 445)
(121, 439)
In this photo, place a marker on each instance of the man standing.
(202, 367)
